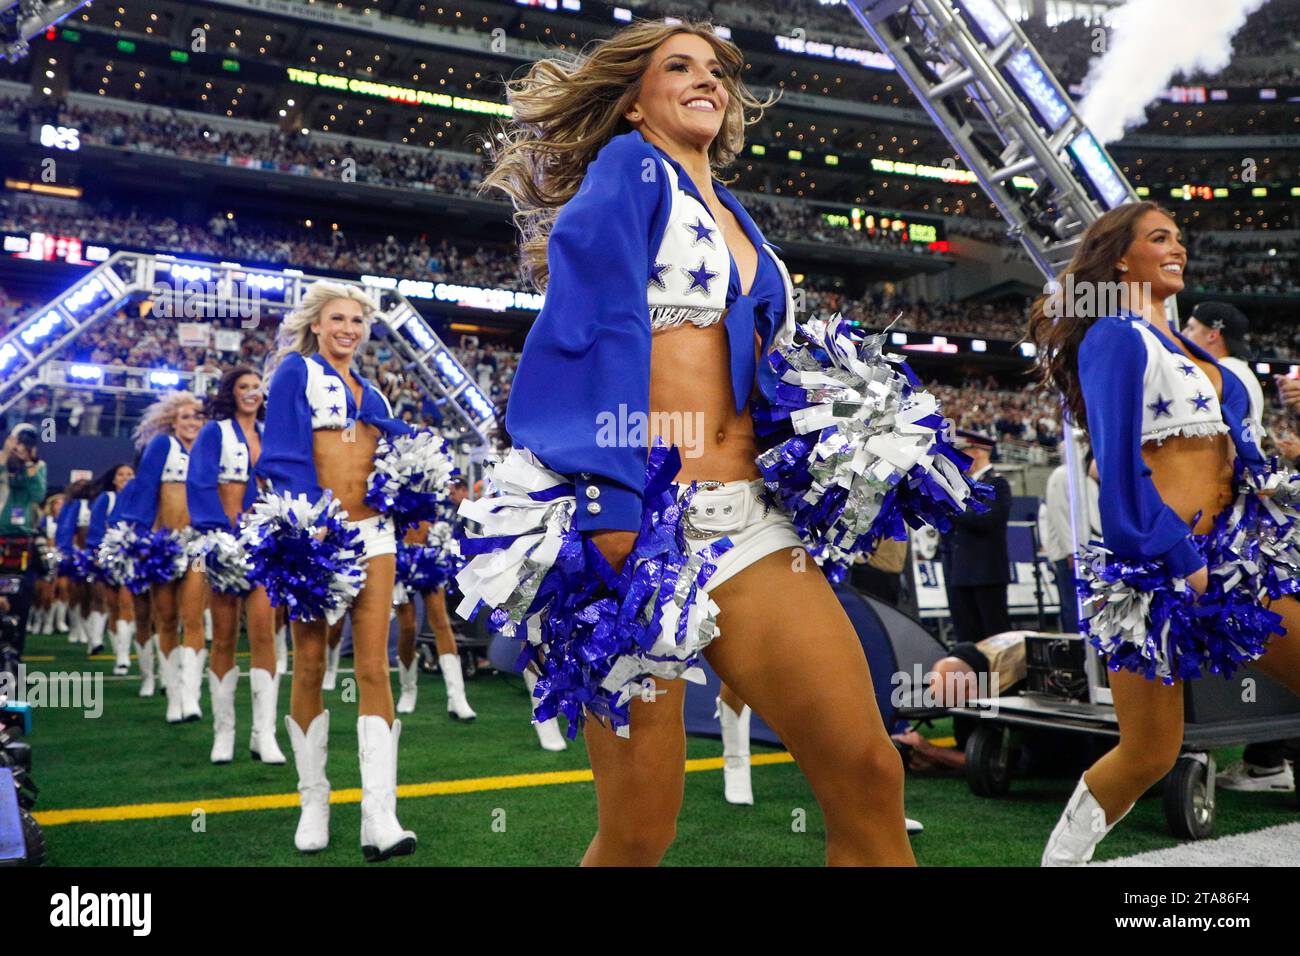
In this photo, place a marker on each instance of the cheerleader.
(154, 527)
(46, 621)
(1193, 579)
(427, 558)
(219, 491)
(110, 600)
(324, 423)
(74, 570)
(661, 296)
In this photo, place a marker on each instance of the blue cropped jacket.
(587, 356)
(1118, 387)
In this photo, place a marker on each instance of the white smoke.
(1151, 41)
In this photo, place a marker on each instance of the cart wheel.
(1189, 799)
(988, 760)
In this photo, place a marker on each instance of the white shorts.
(740, 511)
(377, 536)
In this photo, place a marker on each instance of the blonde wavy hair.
(570, 105)
(295, 334)
(160, 417)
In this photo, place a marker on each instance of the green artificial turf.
(130, 755)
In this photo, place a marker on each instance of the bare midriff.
(231, 494)
(173, 508)
(344, 460)
(691, 404)
(1192, 476)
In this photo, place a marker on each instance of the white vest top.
(177, 465)
(234, 454)
(328, 400)
(692, 269)
(1178, 398)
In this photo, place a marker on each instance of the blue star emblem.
(1187, 369)
(700, 278)
(1201, 402)
(657, 275)
(381, 525)
(332, 387)
(1161, 407)
(702, 232)
(334, 409)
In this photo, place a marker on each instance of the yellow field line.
(284, 801)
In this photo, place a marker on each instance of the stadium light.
(9, 356)
(447, 366)
(1037, 86)
(164, 379)
(41, 329)
(85, 373)
(478, 403)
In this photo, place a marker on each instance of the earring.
(1123, 268)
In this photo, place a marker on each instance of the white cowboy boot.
(76, 633)
(191, 671)
(263, 745)
(737, 786)
(223, 714)
(310, 754)
(281, 650)
(144, 658)
(548, 731)
(121, 638)
(332, 656)
(60, 616)
(1080, 829)
(96, 624)
(381, 835)
(207, 625)
(408, 676)
(171, 681)
(457, 706)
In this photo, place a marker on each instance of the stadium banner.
(227, 340)
(193, 334)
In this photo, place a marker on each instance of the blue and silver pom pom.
(304, 554)
(595, 635)
(129, 557)
(222, 558)
(1153, 623)
(1263, 527)
(429, 566)
(410, 478)
(865, 449)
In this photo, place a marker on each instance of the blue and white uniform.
(1140, 388)
(73, 517)
(307, 395)
(165, 461)
(635, 251)
(220, 455)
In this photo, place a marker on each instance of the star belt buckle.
(690, 530)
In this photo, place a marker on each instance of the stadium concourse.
(346, 140)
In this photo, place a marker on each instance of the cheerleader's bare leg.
(223, 675)
(378, 734)
(262, 676)
(448, 657)
(408, 670)
(788, 649)
(733, 716)
(192, 592)
(307, 725)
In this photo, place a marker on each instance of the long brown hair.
(1056, 327)
(570, 105)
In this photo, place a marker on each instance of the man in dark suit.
(976, 565)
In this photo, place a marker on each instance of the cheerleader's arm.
(138, 503)
(581, 392)
(1135, 521)
(287, 461)
(206, 513)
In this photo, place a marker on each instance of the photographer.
(22, 488)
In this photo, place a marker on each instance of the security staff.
(976, 563)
